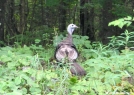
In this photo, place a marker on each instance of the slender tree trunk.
(42, 12)
(2, 16)
(62, 16)
(87, 20)
(82, 17)
(132, 9)
(106, 18)
(74, 13)
(33, 12)
(23, 16)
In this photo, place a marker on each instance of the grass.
(33, 71)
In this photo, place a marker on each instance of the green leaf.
(5, 58)
(40, 75)
(24, 62)
(14, 93)
(35, 90)
(120, 25)
(121, 22)
(73, 80)
(37, 41)
(17, 80)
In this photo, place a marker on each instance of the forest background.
(32, 19)
(30, 30)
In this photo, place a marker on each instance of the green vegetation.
(31, 70)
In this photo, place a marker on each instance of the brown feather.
(76, 69)
(68, 40)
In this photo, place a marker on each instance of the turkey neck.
(69, 37)
(68, 40)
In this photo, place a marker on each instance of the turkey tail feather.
(76, 69)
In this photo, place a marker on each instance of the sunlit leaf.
(17, 80)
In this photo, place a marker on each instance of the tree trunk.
(87, 20)
(42, 12)
(10, 19)
(62, 16)
(33, 14)
(2, 16)
(82, 18)
(106, 18)
(23, 16)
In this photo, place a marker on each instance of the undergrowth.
(32, 70)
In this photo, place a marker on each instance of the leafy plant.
(122, 22)
(126, 38)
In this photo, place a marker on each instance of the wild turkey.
(66, 49)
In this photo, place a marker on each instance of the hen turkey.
(66, 49)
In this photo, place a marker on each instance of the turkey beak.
(76, 27)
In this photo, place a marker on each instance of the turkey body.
(66, 51)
